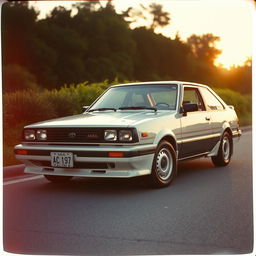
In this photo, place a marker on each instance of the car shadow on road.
(98, 186)
(191, 167)
(186, 170)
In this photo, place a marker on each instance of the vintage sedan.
(133, 130)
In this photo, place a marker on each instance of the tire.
(58, 179)
(164, 166)
(225, 151)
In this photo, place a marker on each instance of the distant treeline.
(97, 44)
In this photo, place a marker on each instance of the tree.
(90, 6)
(17, 78)
(97, 44)
(18, 24)
(203, 47)
(60, 16)
(240, 77)
(158, 57)
(160, 17)
(110, 45)
(153, 12)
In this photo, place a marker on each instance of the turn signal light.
(115, 154)
(21, 151)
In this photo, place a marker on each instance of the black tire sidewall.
(219, 159)
(226, 161)
(154, 176)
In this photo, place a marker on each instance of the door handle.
(207, 118)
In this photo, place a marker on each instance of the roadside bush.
(64, 101)
(30, 106)
(241, 103)
(18, 78)
(26, 107)
(19, 109)
(88, 93)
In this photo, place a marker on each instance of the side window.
(192, 95)
(210, 100)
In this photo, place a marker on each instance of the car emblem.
(72, 135)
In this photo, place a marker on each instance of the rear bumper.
(89, 161)
(236, 135)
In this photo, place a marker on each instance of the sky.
(231, 20)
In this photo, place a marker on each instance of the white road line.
(23, 180)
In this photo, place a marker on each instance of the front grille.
(74, 135)
(88, 135)
(85, 165)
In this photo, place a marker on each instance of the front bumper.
(89, 161)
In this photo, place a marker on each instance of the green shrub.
(29, 106)
(64, 101)
(88, 93)
(240, 102)
(17, 78)
(26, 107)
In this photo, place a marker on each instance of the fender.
(164, 133)
(215, 150)
(225, 125)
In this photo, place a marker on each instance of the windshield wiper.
(101, 109)
(151, 108)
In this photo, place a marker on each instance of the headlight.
(110, 135)
(29, 135)
(41, 134)
(125, 135)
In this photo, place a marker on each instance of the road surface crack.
(138, 240)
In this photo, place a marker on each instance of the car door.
(196, 129)
(216, 110)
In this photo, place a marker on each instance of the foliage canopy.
(97, 43)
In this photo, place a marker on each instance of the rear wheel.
(225, 151)
(164, 165)
(58, 179)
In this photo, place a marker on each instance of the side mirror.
(189, 107)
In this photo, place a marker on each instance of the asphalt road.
(205, 210)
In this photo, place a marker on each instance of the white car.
(133, 130)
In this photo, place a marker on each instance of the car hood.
(103, 119)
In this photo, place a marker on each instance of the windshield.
(159, 97)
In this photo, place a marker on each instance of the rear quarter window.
(210, 100)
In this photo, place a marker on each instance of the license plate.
(62, 159)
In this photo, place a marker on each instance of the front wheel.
(58, 179)
(164, 165)
(225, 151)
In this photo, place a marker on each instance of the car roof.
(160, 83)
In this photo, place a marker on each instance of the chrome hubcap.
(226, 148)
(164, 164)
